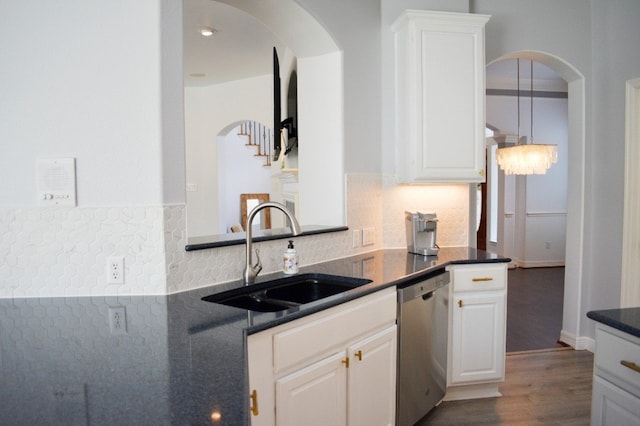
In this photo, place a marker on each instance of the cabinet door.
(314, 395)
(440, 92)
(478, 337)
(372, 379)
(613, 406)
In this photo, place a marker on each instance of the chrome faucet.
(251, 271)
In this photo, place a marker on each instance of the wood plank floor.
(551, 387)
(534, 308)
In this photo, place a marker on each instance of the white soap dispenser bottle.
(290, 260)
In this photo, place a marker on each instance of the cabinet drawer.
(618, 358)
(318, 334)
(479, 278)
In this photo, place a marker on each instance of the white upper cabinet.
(440, 96)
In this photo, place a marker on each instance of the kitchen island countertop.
(173, 359)
(625, 319)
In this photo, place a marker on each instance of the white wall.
(615, 60)
(99, 82)
(362, 96)
(541, 237)
(209, 111)
(244, 174)
(321, 140)
(67, 92)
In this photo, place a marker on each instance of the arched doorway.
(575, 195)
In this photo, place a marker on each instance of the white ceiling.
(240, 48)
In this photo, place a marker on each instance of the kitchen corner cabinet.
(335, 367)
(477, 324)
(616, 378)
(440, 96)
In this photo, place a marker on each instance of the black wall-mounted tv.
(276, 105)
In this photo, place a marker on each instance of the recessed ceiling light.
(207, 31)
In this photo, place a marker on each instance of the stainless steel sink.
(285, 293)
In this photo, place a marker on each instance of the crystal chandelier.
(526, 158)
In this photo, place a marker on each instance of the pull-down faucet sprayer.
(251, 271)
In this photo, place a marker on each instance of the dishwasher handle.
(428, 296)
(423, 288)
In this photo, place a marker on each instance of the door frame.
(629, 288)
(573, 317)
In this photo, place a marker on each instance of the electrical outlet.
(118, 320)
(115, 270)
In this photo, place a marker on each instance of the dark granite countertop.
(625, 319)
(178, 359)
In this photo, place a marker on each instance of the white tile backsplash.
(449, 201)
(62, 251)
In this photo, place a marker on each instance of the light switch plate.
(357, 238)
(368, 236)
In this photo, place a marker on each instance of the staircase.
(259, 136)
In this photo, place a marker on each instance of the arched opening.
(574, 235)
(242, 146)
(306, 47)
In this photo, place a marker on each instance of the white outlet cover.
(115, 270)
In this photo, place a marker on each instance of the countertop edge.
(625, 319)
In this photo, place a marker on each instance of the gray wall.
(355, 25)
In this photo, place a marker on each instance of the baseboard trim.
(540, 351)
(474, 391)
(541, 263)
(578, 343)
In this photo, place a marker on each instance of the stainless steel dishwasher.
(422, 346)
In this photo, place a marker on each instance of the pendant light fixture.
(526, 158)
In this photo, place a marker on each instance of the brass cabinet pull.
(460, 303)
(475, 280)
(346, 362)
(632, 365)
(359, 355)
(254, 402)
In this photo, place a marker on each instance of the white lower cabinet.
(314, 395)
(336, 367)
(372, 379)
(477, 339)
(616, 378)
(613, 406)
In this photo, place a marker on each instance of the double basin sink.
(288, 292)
